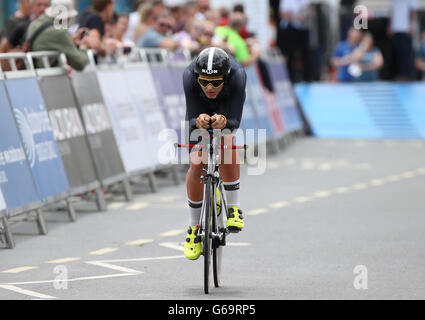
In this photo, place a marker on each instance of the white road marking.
(103, 251)
(64, 260)
(26, 292)
(172, 233)
(19, 269)
(145, 259)
(139, 242)
(75, 279)
(113, 267)
(173, 245)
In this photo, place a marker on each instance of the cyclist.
(214, 86)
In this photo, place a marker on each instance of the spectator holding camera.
(158, 35)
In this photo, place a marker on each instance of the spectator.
(213, 16)
(203, 8)
(402, 22)
(58, 39)
(420, 59)
(120, 27)
(190, 38)
(21, 15)
(146, 20)
(212, 40)
(231, 35)
(16, 36)
(370, 59)
(342, 57)
(295, 34)
(157, 35)
(244, 30)
(103, 11)
(224, 16)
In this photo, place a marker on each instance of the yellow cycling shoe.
(193, 246)
(235, 221)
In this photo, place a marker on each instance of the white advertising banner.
(2, 202)
(130, 136)
(142, 91)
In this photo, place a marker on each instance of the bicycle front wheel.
(209, 211)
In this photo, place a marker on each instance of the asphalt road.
(329, 219)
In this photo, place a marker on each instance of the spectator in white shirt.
(403, 17)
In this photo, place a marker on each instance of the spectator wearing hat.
(56, 36)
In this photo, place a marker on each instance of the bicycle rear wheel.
(207, 245)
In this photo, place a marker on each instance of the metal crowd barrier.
(65, 134)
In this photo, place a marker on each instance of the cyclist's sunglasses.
(203, 82)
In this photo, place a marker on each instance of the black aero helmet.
(213, 62)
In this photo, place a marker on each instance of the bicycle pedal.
(233, 230)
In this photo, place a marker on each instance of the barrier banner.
(249, 121)
(2, 203)
(98, 126)
(123, 113)
(16, 181)
(263, 105)
(37, 137)
(285, 95)
(171, 95)
(149, 113)
(68, 130)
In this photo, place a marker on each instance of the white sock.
(232, 193)
(194, 212)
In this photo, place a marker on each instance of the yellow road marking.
(377, 182)
(278, 205)
(421, 170)
(64, 260)
(257, 212)
(172, 233)
(138, 206)
(322, 194)
(139, 242)
(19, 269)
(115, 205)
(359, 186)
(408, 174)
(341, 190)
(394, 178)
(302, 199)
(103, 251)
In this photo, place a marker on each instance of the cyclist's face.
(210, 90)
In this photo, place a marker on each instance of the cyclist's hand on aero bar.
(218, 122)
(203, 121)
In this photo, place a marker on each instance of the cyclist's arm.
(236, 100)
(192, 99)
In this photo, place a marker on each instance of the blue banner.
(37, 136)
(255, 94)
(16, 181)
(285, 96)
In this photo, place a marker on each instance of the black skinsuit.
(229, 102)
